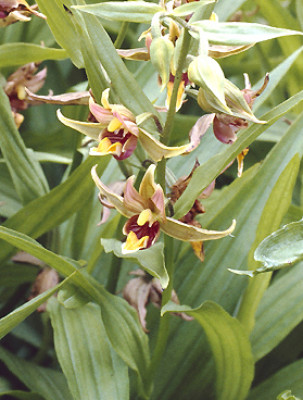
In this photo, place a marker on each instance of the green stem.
(163, 331)
(172, 106)
(116, 263)
(121, 35)
(114, 273)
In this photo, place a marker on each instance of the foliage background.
(60, 208)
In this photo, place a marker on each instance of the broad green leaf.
(92, 369)
(278, 204)
(225, 9)
(120, 319)
(23, 53)
(60, 21)
(208, 171)
(279, 312)
(13, 319)
(138, 11)
(152, 259)
(26, 173)
(283, 247)
(240, 33)
(230, 346)
(299, 9)
(47, 382)
(123, 83)
(59, 204)
(275, 76)
(189, 8)
(243, 200)
(289, 377)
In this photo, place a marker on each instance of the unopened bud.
(161, 54)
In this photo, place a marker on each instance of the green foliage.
(246, 297)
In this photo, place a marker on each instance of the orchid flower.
(118, 130)
(16, 10)
(145, 210)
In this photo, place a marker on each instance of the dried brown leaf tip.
(12, 11)
(176, 191)
(23, 78)
(45, 280)
(144, 289)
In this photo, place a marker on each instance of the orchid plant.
(183, 288)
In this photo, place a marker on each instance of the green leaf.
(287, 395)
(230, 347)
(275, 76)
(60, 21)
(299, 9)
(13, 319)
(120, 319)
(93, 370)
(189, 8)
(124, 87)
(283, 247)
(23, 53)
(47, 382)
(20, 394)
(279, 312)
(59, 204)
(152, 259)
(208, 171)
(240, 33)
(133, 11)
(26, 173)
(288, 377)
(225, 9)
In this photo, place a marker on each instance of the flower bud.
(161, 54)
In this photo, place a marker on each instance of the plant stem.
(163, 331)
(172, 106)
(115, 266)
(121, 35)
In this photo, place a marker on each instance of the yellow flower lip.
(107, 147)
(133, 244)
(144, 217)
(114, 124)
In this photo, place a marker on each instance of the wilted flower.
(145, 289)
(145, 211)
(45, 280)
(118, 130)
(16, 10)
(15, 87)
(197, 208)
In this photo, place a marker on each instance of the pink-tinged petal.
(208, 190)
(191, 233)
(101, 114)
(159, 201)
(199, 130)
(64, 99)
(127, 120)
(224, 132)
(90, 129)
(132, 199)
(115, 200)
(128, 147)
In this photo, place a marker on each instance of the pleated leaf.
(92, 369)
(23, 53)
(26, 173)
(47, 382)
(230, 347)
(120, 319)
(139, 11)
(240, 33)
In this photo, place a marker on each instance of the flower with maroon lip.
(145, 210)
(118, 130)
